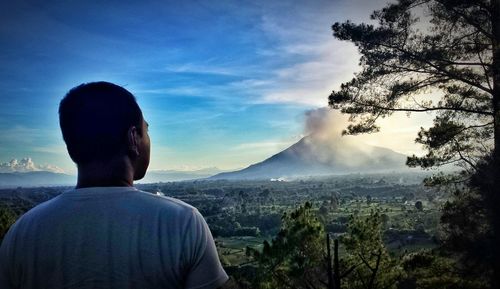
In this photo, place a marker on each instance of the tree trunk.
(336, 267)
(495, 23)
(495, 195)
(329, 262)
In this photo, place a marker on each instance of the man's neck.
(115, 173)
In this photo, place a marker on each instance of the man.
(105, 233)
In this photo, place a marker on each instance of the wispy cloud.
(177, 90)
(263, 145)
(323, 64)
(198, 68)
(52, 149)
(20, 134)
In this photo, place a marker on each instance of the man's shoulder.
(164, 201)
(40, 208)
(129, 197)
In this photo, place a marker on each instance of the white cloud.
(27, 165)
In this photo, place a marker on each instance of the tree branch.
(348, 271)
(462, 157)
(484, 67)
(437, 68)
(361, 279)
(365, 262)
(374, 272)
(470, 21)
(424, 109)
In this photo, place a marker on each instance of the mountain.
(173, 175)
(46, 178)
(36, 178)
(314, 155)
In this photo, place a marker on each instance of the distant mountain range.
(35, 179)
(46, 178)
(314, 156)
(173, 175)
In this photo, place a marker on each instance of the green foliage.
(7, 218)
(429, 270)
(293, 259)
(368, 255)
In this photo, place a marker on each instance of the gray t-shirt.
(110, 237)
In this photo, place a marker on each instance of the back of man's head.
(94, 119)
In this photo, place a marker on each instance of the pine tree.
(295, 257)
(440, 56)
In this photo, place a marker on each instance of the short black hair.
(94, 119)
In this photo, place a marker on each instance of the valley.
(247, 212)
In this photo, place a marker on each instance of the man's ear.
(133, 140)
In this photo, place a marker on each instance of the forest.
(275, 234)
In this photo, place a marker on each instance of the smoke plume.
(323, 129)
(324, 123)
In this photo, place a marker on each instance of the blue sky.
(222, 83)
